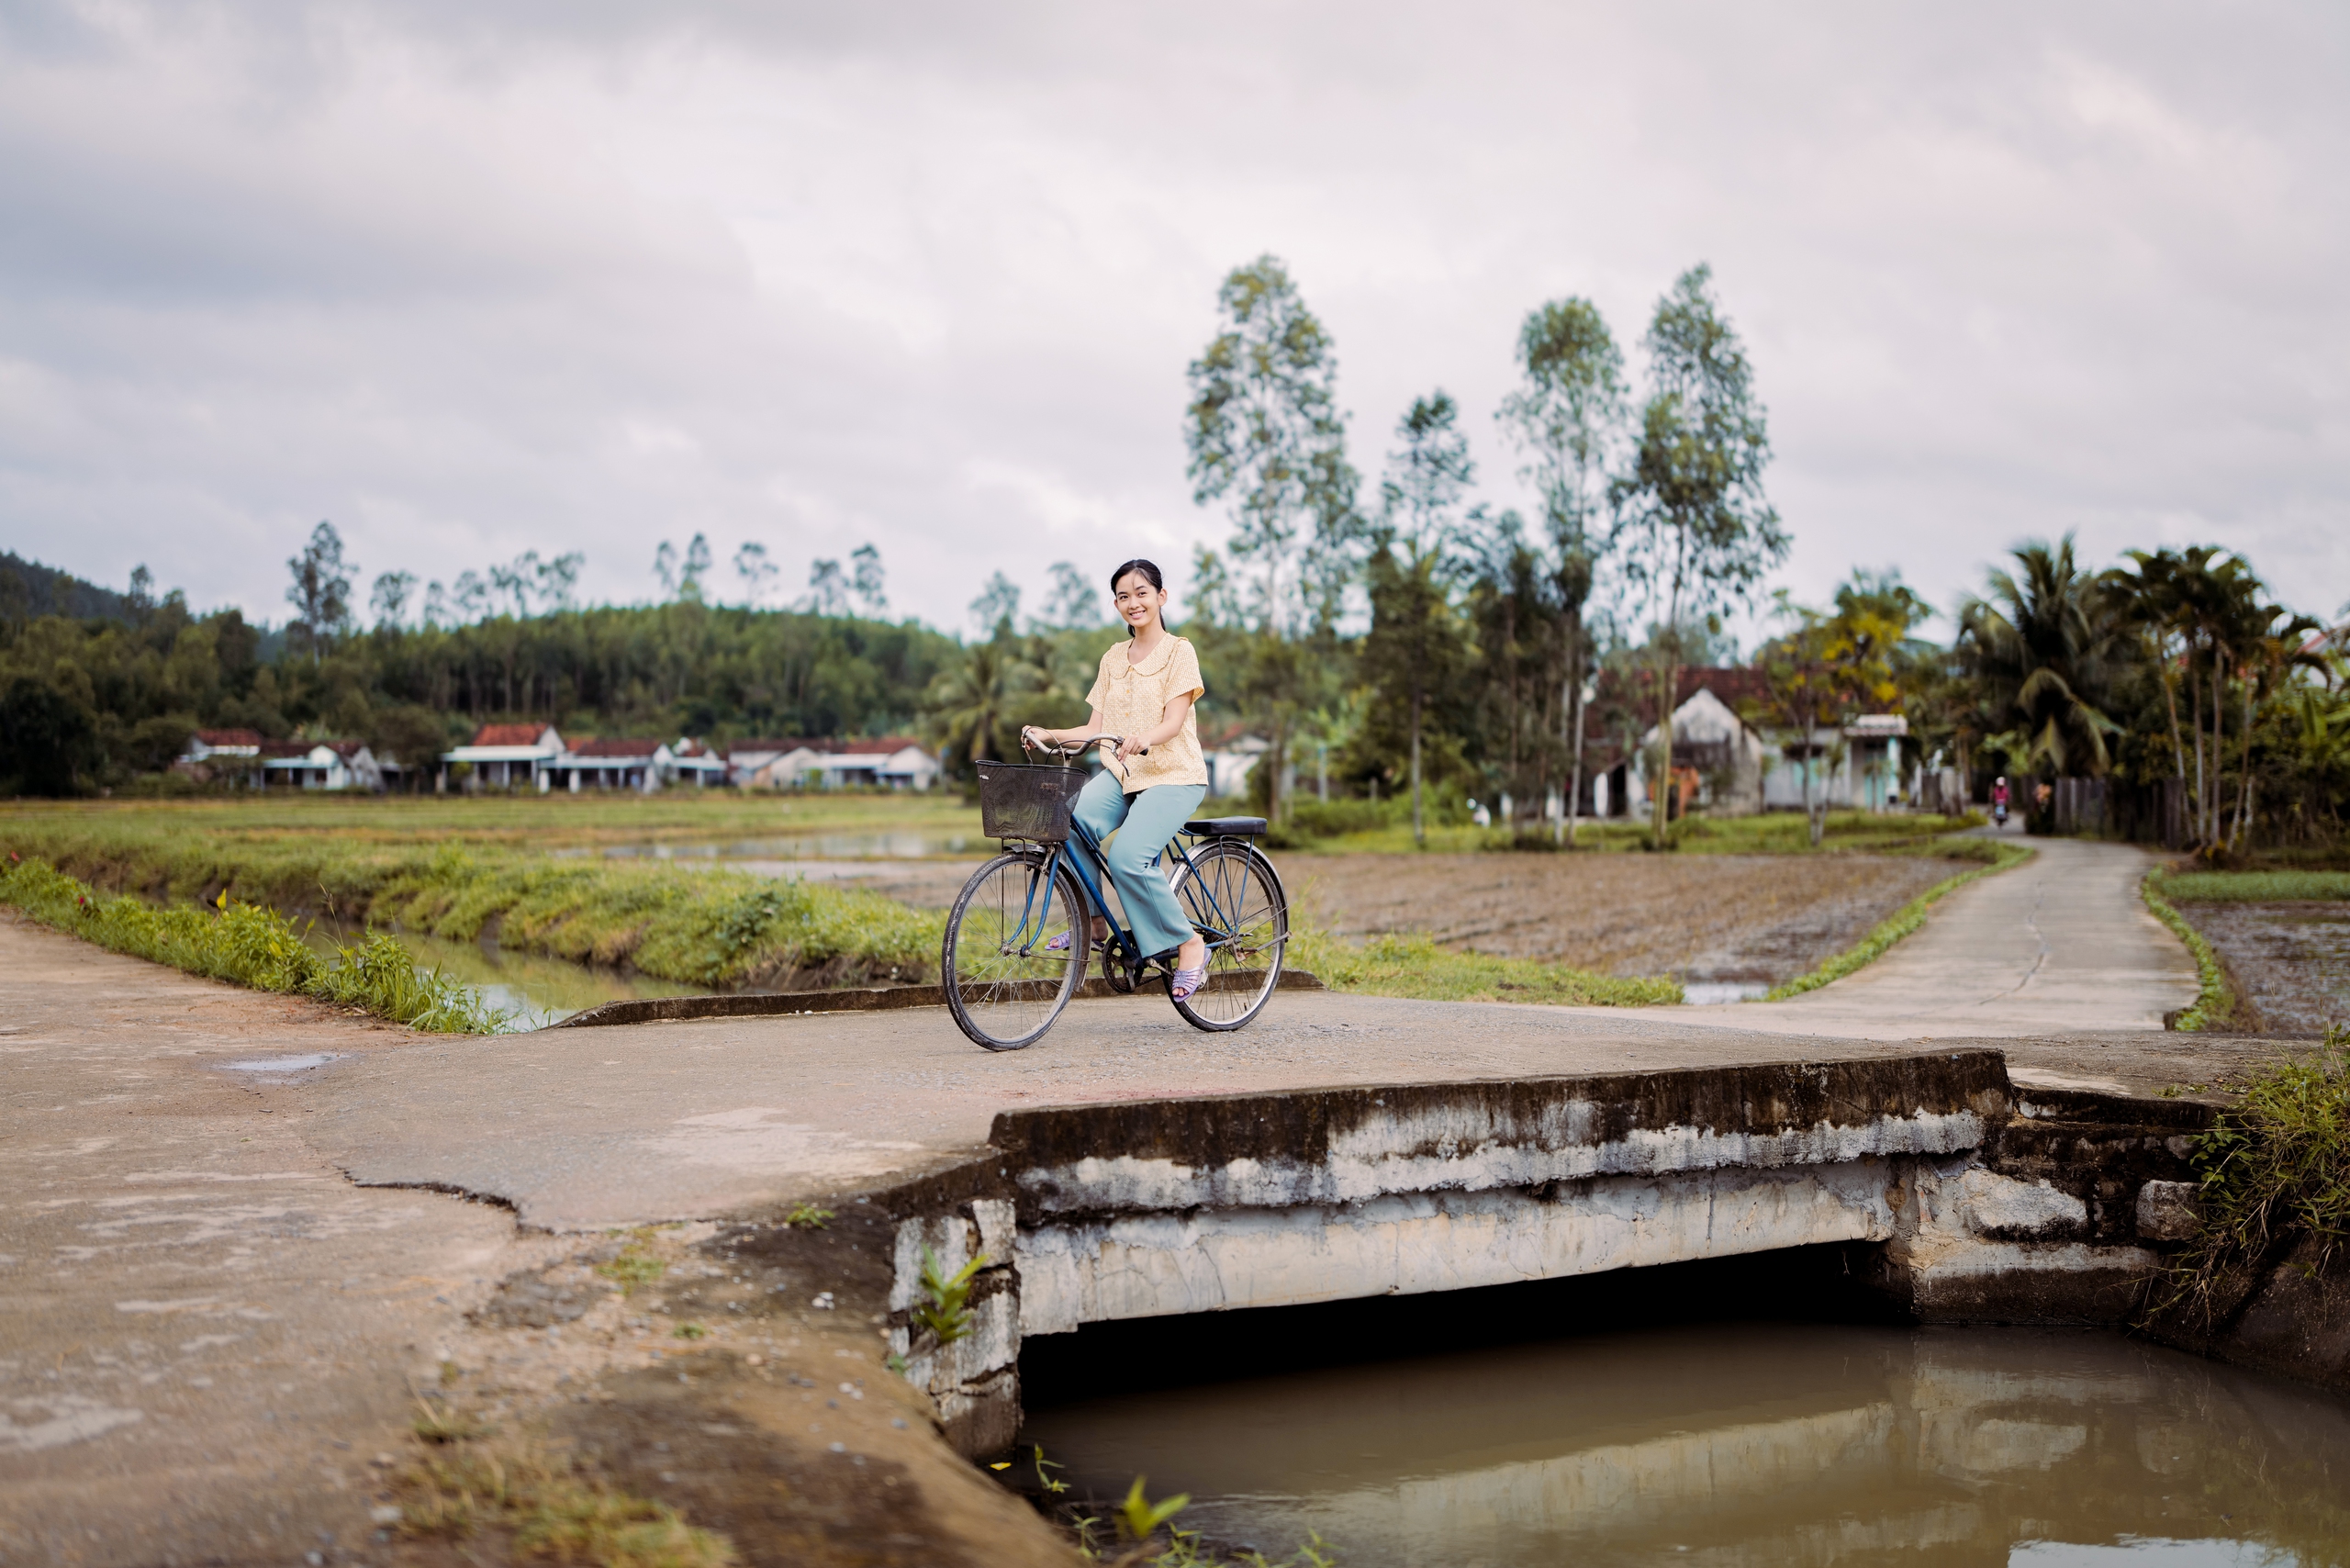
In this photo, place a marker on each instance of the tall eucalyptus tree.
(1697, 531)
(1568, 421)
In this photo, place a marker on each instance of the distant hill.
(28, 590)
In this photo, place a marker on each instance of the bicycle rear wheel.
(1233, 898)
(1004, 984)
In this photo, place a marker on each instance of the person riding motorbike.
(1999, 802)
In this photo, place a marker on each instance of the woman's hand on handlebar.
(1130, 747)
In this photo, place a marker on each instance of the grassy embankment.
(459, 868)
(249, 946)
(1384, 827)
(1997, 855)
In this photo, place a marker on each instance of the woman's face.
(1138, 603)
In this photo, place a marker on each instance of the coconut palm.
(2042, 643)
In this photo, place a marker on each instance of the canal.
(1750, 1414)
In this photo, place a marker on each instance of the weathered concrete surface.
(2060, 945)
(208, 1336)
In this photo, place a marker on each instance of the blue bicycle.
(1018, 939)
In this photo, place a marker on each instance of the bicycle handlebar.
(1071, 748)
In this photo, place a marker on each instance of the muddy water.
(1747, 1444)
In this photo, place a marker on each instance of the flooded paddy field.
(1617, 1420)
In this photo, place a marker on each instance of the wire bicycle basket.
(1028, 800)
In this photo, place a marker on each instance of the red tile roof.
(508, 734)
(286, 748)
(589, 746)
(228, 737)
(778, 744)
(887, 746)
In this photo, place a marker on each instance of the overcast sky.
(928, 275)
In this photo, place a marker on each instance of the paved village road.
(2061, 944)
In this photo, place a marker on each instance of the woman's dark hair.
(1149, 569)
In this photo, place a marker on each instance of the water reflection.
(1748, 1445)
(533, 991)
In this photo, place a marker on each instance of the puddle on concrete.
(1757, 1444)
(281, 1065)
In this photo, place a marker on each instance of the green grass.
(2250, 887)
(2275, 1168)
(248, 945)
(439, 877)
(2214, 1003)
(1771, 833)
(1416, 967)
(1998, 855)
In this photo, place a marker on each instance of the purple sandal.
(1060, 944)
(1185, 981)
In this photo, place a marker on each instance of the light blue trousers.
(1144, 822)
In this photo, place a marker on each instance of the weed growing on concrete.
(690, 1331)
(1413, 966)
(440, 1425)
(946, 1311)
(2275, 1169)
(464, 1490)
(248, 945)
(634, 1266)
(2214, 1003)
(808, 1216)
(1897, 925)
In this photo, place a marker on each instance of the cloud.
(472, 280)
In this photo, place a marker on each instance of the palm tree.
(2042, 643)
(971, 704)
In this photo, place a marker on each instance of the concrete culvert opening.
(1773, 1408)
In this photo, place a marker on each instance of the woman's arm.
(1170, 724)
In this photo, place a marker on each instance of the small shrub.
(2275, 1168)
(634, 1266)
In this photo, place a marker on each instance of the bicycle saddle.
(1225, 827)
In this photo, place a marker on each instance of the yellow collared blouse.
(1132, 699)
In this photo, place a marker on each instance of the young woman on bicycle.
(1145, 692)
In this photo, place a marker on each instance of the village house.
(689, 759)
(592, 762)
(891, 762)
(1231, 754)
(507, 755)
(320, 765)
(212, 755)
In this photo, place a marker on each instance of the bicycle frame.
(1091, 877)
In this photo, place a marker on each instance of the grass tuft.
(1904, 920)
(2214, 1003)
(248, 945)
(2275, 1168)
(464, 1490)
(1413, 966)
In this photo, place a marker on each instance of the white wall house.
(1720, 758)
(508, 755)
(222, 754)
(326, 765)
(691, 762)
(1867, 775)
(588, 763)
(892, 762)
(1232, 760)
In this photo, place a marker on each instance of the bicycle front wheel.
(1232, 897)
(1004, 981)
